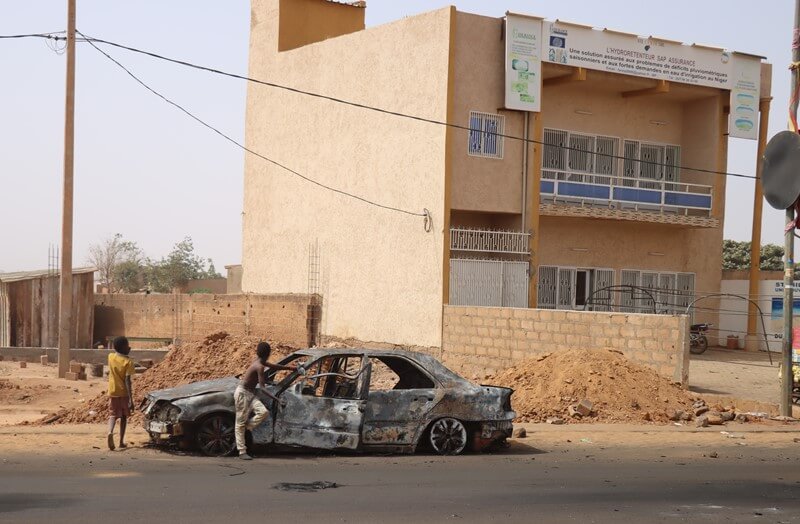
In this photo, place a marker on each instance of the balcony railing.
(489, 241)
(641, 194)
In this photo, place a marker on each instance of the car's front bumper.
(163, 430)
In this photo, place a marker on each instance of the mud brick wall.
(287, 319)
(482, 340)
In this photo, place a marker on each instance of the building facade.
(585, 204)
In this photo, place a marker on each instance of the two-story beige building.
(527, 209)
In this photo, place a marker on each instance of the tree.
(736, 255)
(178, 268)
(109, 254)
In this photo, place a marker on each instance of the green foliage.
(736, 255)
(128, 271)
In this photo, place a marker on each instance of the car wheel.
(215, 436)
(448, 436)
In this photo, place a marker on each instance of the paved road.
(566, 482)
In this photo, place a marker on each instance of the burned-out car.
(348, 399)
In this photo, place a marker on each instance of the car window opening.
(334, 377)
(395, 373)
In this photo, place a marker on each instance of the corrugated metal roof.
(30, 275)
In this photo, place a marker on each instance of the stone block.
(635, 320)
(23, 364)
(70, 375)
(75, 367)
(43, 360)
(635, 344)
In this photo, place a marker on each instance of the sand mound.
(218, 355)
(620, 390)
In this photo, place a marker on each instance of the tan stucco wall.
(381, 273)
(483, 184)
(307, 21)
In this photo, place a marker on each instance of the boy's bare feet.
(111, 441)
(122, 445)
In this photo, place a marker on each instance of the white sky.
(145, 170)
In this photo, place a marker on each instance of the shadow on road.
(11, 502)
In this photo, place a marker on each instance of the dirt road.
(30, 393)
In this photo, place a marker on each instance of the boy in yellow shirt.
(120, 391)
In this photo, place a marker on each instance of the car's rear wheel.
(215, 436)
(448, 436)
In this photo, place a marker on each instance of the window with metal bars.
(669, 293)
(574, 288)
(485, 134)
(568, 155)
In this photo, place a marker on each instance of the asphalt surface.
(568, 482)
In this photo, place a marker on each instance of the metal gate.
(491, 283)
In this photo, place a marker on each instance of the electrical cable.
(93, 40)
(425, 213)
(151, 54)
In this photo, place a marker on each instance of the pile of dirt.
(219, 355)
(617, 389)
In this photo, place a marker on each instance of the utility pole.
(65, 296)
(788, 273)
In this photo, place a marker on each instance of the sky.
(148, 172)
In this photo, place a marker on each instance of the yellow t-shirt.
(119, 367)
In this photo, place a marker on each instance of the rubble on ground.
(218, 355)
(591, 386)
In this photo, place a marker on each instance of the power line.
(425, 213)
(396, 113)
(93, 40)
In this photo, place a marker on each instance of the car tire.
(448, 436)
(215, 436)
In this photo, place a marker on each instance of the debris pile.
(591, 386)
(219, 355)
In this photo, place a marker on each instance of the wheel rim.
(216, 437)
(448, 436)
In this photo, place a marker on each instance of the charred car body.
(349, 399)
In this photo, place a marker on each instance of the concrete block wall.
(284, 318)
(482, 340)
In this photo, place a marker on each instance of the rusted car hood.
(196, 388)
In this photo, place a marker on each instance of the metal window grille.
(580, 155)
(484, 134)
(652, 156)
(685, 292)
(489, 283)
(630, 165)
(666, 293)
(606, 161)
(576, 156)
(602, 300)
(628, 302)
(649, 281)
(489, 241)
(554, 152)
(566, 288)
(547, 297)
(672, 159)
